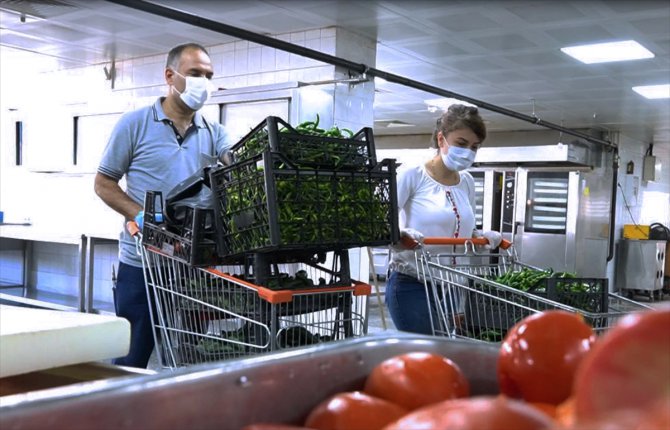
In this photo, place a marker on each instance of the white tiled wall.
(65, 202)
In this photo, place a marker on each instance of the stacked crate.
(289, 190)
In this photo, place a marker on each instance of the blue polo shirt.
(144, 148)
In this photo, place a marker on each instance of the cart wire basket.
(203, 314)
(466, 301)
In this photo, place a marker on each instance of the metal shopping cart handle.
(411, 243)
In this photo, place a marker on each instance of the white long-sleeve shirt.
(424, 206)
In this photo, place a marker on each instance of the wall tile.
(254, 79)
(283, 76)
(328, 45)
(241, 45)
(296, 75)
(282, 60)
(328, 32)
(268, 59)
(313, 34)
(268, 78)
(297, 38)
(254, 59)
(296, 61)
(241, 62)
(228, 63)
(217, 63)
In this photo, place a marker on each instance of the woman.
(435, 199)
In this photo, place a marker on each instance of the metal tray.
(275, 387)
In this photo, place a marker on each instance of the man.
(156, 147)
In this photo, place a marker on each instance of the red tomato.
(540, 354)
(417, 379)
(565, 412)
(475, 413)
(273, 426)
(654, 417)
(547, 408)
(353, 410)
(629, 366)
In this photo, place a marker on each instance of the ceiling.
(503, 52)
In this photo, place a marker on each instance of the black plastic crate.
(195, 242)
(306, 149)
(484, 312)
(268, 204)
(494, 313)
(266, 270)
(585, 294)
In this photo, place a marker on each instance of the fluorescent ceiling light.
(605, 52)
(444, 103)
(654, 91)
(393, 123)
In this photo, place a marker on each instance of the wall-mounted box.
(635, 231)
(649, 168)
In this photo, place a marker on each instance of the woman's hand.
(494, 238)
(410, 238)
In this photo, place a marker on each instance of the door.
(480, 198)
(542, 219)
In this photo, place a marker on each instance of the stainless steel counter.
(28, 235)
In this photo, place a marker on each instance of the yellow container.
(632, 231)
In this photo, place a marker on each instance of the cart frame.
(465, 302)
(203, 314)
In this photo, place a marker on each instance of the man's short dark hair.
(175, 53)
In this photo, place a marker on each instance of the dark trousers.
(130, 301)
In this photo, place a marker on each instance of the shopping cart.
(466, 301)
(203, 314)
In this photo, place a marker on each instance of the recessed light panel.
(444, 103)
(654, 91)
(625, 50)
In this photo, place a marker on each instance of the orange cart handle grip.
(133, 228)
(504, 244)
(411, 243)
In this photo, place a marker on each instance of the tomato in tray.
(273, 426)
(351, 411)
(628, 368)
(539, 356)
(417, 379)
(476, 413)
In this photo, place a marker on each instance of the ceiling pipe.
(360, 68)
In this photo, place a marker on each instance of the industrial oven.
(551, 201)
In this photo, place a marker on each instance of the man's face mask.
(196, 92)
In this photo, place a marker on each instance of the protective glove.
(410, 236)
(139, 219)
(494, 239)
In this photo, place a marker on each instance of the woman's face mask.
(458, 158)
(196, 92)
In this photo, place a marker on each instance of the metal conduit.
(362, 69)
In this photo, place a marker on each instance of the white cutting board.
(37, 339)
